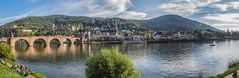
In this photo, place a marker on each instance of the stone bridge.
(47, 39)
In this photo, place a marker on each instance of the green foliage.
(233, 64)
(6, 52)
(45, 25)
(220, 34)
(37, 75)
(229, 71)
(148, 36)
(164, 23)
(233, 68)
(110, 64)
(6, 72)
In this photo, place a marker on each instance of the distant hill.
(173, 23)
(86, 23)
(163, 23)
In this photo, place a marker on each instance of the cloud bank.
(227, 6)
(185, 7)
(224, 20)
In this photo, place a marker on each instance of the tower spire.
(116, 27)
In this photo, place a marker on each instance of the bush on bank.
(232, 67)
(6, 52)
(5, 71)
(110, 64)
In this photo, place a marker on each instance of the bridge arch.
(67, 41)
(19, 41)
(55, 41)
(39, 42)
(23, 43)
(77, 42)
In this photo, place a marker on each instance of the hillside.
(173, 23)
(63, 25)
(44, 22)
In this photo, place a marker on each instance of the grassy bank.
(8, 67)
(6, 72)
(226, 73)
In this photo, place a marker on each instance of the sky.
(222, 14)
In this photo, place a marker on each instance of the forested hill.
(163, 23)
(173, 23)
(85, 23)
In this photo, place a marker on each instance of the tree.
(6, 52)
(231, 65)
(148, 36)
(110, 64)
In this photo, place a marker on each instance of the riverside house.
(174, 35)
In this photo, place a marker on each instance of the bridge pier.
(31, 44)
(48, 43)
(12, 45)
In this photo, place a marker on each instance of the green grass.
(37, 75)
(6, 72)
(226, 73)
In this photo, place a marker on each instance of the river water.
(160, 60)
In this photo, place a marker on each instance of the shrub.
(233, 67)
(6, 52)
(232, 64)
(109, 64)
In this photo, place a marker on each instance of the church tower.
(116, 28)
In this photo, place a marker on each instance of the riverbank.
(12, 70)
(189, 40)
(6, 72)
(227, 74)
(155, 41)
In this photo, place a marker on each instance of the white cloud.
(185, 7)
(226, 6)
(225, 27)
(97, 8)
(9, 19)
(102, 8)
(226, 20)
(132, 15)
(223, 18)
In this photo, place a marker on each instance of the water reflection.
(163, 60)
(50, 54)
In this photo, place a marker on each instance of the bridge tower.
(85, 37)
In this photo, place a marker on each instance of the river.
(159, 60)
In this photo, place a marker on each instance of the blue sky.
(222, 14)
